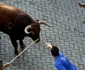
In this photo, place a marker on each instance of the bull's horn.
(43, 22)
(27, 28)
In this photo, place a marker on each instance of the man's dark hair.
(54, 51)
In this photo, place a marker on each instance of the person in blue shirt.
(61, 61)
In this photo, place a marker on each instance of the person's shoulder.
(61, 54)
(62, 57)
(57, 62)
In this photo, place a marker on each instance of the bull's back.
(12, 16)
(7, 14)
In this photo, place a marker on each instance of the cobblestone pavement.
(68, 33)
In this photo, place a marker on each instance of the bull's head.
(33, 30)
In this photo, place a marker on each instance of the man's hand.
(48, 45)
(6, 65)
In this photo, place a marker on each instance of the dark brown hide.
(13, 22)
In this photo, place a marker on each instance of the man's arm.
(81, 5)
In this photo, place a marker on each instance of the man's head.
(54, 51)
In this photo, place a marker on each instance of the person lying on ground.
(81, 5)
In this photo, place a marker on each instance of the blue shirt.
(62, 63)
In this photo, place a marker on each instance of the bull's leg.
(14, 42)
(22, 44)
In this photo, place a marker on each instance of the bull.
(18, 24)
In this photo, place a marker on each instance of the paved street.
(67, 32)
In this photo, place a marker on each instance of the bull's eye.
(10, 25)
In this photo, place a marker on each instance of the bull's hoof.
(22, 47)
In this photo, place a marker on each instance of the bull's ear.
(43, 22)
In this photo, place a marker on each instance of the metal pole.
(22, 51)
